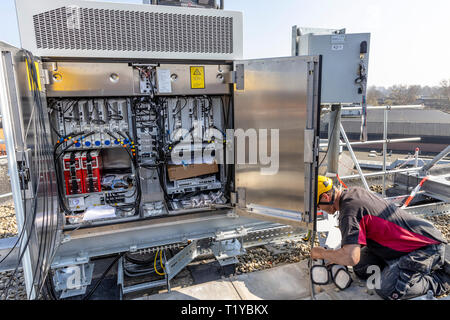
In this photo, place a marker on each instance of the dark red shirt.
(390, 232)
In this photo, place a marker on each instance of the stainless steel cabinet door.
(279, 100)
(30, 162)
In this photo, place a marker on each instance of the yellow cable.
(154, 265)
(160, 262)
(308, 236)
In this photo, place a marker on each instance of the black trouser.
(410, 276)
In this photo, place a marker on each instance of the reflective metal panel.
(278, 94)
(68, 79)
(30, 161)
(215, 78)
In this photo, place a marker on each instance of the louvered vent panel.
(119, 30)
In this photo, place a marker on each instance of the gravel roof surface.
(256, 259)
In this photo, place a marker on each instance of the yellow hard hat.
(324, 185)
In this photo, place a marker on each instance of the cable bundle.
(41, 221)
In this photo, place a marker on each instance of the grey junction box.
(341, 62)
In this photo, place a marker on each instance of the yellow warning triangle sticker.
(197, 72)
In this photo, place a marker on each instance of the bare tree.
(445, 88)
(373, 95)
(403, 95)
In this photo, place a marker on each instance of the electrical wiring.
(116, 115)
(149, 116)
(143, 267)
(179, 110)
(154, 264)
(42, 157)
(44, 246)
(102, 277)
(96, 121)
(137, 204)
(56, 156)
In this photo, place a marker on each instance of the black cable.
(41, 156)
(103, 276)
(42, 141)
(57, 156)
(116, 116)
(44, 245)
(137, 204)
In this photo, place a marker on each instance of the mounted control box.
(345, 61)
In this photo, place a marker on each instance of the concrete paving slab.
(289, 282)
(215, 290)
(322, 296)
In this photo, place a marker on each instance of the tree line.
(434, 97)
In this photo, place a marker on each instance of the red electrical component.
(91, 164)
(73, 173)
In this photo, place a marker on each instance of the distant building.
(434, 102)
(433, 126)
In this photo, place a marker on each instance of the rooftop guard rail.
(385, 141)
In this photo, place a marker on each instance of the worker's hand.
(317, 253)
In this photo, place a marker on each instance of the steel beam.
(359, 143)
(438, 158)
(6, 195)
(100, 241)
(435, 185)
(355, 161)
(377, 174)
(414, 106)
(334, 138)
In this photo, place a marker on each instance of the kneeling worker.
(410, 251)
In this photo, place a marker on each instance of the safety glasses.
(333, 197)
(322, 275)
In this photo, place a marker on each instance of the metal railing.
(385, 141)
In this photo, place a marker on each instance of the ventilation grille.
(119, 30)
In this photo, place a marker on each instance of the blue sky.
(409, 37)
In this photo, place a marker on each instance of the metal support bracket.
(226, 251)
(181, 260)
(73, 280)
(274, 215)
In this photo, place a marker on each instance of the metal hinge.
(238, 77)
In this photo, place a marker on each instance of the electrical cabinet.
(136, 153)
(345, 62)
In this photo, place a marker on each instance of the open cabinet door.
(278, 95)
(30, 163)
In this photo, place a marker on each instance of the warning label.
(197, 77)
